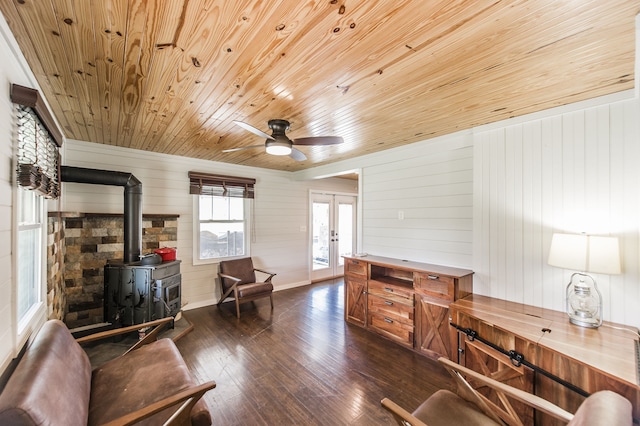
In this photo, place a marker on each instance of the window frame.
(247, 205)
(36, 314)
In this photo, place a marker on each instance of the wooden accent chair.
(238, 279)
(468, 406)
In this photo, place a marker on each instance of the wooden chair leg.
(237, 304)
(271, 298)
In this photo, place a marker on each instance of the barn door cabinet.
(582, 358)
(406, 302)
(355, 285)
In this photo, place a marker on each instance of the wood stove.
(135, 293)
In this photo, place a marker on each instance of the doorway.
(333, 233)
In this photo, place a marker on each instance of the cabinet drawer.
(392, 329)
(399, 293)
(434, 285)
(355, 267)
(393, 309)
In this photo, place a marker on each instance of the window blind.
(38, 162)
(221, 186)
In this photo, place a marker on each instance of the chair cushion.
(603, 408)
(445, 408)
(130, 382)
(239, 268)
(254, 289)
(52, 382)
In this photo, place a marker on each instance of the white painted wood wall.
(575, 170)
(280, 209)
(420, 208)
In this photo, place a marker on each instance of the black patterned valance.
(38, 156)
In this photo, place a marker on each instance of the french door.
(333, 233)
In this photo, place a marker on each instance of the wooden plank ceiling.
(171, 75)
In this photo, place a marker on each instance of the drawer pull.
(388, 303)
(389, 320)
(433, 277)
(388, 290)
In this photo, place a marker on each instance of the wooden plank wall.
(573, 171)
(6, 221)
(281, 208)
(420, 207)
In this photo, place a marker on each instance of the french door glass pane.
(320, 235)
(345, 231)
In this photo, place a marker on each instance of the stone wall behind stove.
(87, 241)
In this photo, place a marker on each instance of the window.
(30, 248)
(221, 216)
(222, 227)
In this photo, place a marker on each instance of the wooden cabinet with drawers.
(406, 302)
(390, 307)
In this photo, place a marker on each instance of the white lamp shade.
(604, 255)
(585, 253)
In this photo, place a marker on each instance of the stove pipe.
(132, 202)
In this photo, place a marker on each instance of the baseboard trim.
(202, 303)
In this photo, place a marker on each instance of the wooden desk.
(590, 359)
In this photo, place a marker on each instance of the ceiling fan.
(279, 144)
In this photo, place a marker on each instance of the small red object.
(167, 253)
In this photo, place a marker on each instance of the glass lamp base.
(584, 301)
(585, 322)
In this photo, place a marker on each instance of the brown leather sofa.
(53, 384)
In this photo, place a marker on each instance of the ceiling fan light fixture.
(278, 147)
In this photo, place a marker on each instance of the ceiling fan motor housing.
(281, 144)
(278, 126)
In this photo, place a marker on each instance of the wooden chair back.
(504, 411)
(602, 407)
(239, 268)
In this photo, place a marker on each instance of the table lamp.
(584, 253)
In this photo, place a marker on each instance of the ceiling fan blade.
(297, 155)
(253, 130)
(242, 147)
(318, 140)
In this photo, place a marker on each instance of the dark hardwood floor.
(302, 363)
